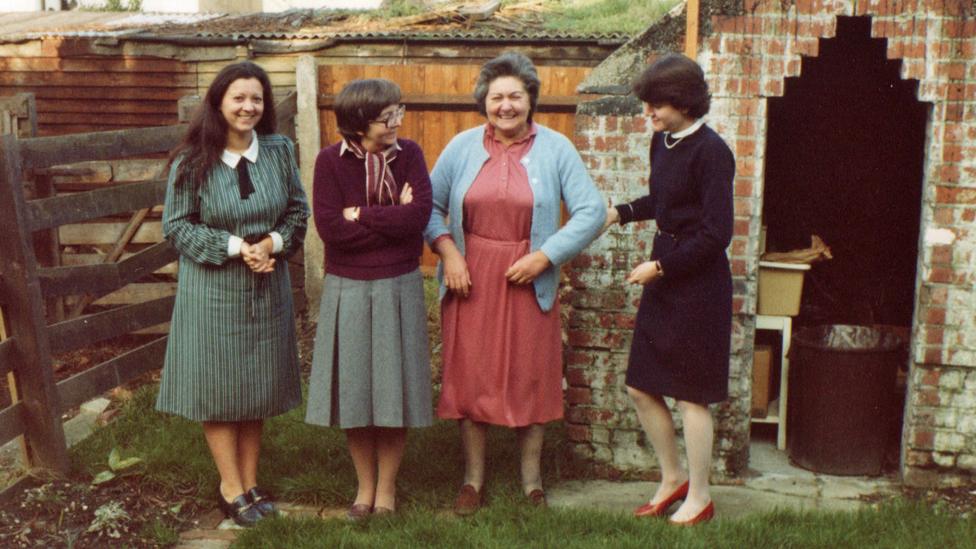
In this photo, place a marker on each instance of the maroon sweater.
(387, 240)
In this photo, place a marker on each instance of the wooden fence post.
(309, 142)
(23, 303)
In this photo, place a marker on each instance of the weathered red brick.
(578, 433)
(579, 395)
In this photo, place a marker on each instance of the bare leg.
(222, 439)
(248, 451)
(390, 443)
(362, 448)
(655, 418)
(698, 442)
(474, 441)
(530, 441)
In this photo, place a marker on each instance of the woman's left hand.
(351, 213)
(644, 273)
(528, 268)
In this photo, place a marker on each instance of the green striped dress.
(232, 352)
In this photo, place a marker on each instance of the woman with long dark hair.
(235, 209)
(683, 330)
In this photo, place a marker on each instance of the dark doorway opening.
(844, 160)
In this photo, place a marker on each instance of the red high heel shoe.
(659, 509)
(705, 515)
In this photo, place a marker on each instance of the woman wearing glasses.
(371, 366)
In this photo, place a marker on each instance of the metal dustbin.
(841, 399)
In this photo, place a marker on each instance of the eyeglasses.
(391, 119)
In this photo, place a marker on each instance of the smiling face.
(665, 118)
(507, 106)
(242, 106)
(382, 132)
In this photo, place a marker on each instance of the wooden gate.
(24, 285)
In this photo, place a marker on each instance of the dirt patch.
(73, 513)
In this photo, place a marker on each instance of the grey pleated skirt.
(371, 363)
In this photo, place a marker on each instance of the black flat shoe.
(243, 513)
(262, 500)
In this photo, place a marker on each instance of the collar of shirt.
(345, 146)
(689, 130)
(232, 158)
(490, 133)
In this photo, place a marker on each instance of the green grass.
(505, 524)
(309, 464)
(604, 16)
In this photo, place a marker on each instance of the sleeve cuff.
(441, 237)
(234, 246)
(277, 243)
(626, 212)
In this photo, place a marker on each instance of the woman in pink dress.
(496, 226)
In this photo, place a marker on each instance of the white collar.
(232, 158)
(689, 130)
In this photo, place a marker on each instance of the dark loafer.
(468, 501)
(358, 511)
(240, 510)
(262, 500)
(537, 498)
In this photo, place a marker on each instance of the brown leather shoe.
(468, 501)
(537, 498)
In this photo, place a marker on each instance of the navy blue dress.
(683, 329)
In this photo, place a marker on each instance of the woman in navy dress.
(680, 347)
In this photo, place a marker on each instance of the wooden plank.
(77, 207)
(104, 119)
(79, 388)
(102, 64)
(100, 93)
(23, 306)
(145, 262)
(107, 106)
(137, 293)
(95, 259)
(12, 422)
(6, 356)
(101, 79)
(82, 279)
(151, 232)
(86, 330)
(106, 277)
(41, 152)
(691, 29)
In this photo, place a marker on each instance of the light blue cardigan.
(555, 171)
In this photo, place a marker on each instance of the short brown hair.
(360, 102)
(676, 80)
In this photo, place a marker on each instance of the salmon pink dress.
(502, 353)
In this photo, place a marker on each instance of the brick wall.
(746, 51)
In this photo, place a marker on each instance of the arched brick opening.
(748, 49)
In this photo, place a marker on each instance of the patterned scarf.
(380, 186)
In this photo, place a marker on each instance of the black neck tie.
(244, 179)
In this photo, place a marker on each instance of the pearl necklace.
(675, 144)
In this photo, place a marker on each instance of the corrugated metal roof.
(290, 25)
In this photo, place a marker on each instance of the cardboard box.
(762, 363)
(780, 287)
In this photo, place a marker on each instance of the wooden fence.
(24, 285)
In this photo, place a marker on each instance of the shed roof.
(518, 22)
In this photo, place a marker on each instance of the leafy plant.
(116, 465)
(110, 519)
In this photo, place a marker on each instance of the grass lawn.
(310, 464)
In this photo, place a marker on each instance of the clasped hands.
(258, 256)
(406, 196)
